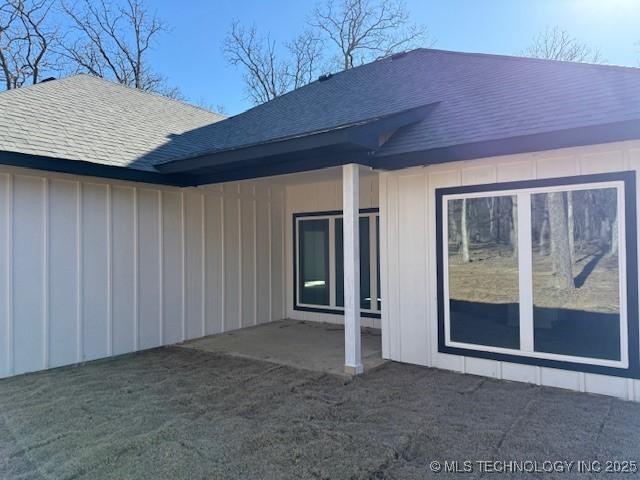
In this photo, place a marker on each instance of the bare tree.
(571, 225)
(560, 253)
(352, 31)
(112, 40)
(266, 73)
(28, 36)
(306, 55)
(365, 30)
(464, 231)
(557, 44)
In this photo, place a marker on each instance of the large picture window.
(319, 262)
(541, 272)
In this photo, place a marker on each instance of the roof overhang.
(89, 169)
(336, 155)
(573, 137)
(352, 143)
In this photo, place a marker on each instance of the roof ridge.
(525, 59)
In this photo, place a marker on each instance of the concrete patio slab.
(314, 346)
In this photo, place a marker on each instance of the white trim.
(525, 273)
(351, 252)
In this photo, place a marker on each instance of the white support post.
(351, 226)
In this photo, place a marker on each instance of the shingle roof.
(86, 118)
(477, 98)
(481, 97)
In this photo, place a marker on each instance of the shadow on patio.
(308, 345)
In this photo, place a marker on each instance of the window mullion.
(525, 271)
(332, 261)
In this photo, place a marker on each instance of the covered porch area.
(313, 346)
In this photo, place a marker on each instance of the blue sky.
(190, 55)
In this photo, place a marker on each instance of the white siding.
(408, 253)
(320, 197)
(91, 268)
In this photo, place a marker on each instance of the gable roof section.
(88, 119)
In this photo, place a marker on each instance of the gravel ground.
(183, 414)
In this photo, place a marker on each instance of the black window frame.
(329, 309)
(628, 178)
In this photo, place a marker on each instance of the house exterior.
(481, 210)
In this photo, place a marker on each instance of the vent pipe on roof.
(398, 55)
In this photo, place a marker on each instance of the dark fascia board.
(364, 135)
(298, 165)
(574, 137)
(613, 132)
(80, 167)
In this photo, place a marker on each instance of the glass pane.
(365, 277)
(576, 308)
(314, 262)
(483, 271)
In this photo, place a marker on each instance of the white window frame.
(332, 308)
(525, 274)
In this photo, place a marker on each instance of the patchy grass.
(185, 414)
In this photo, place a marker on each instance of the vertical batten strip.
(384, 268)
(9, 253)
(270, 242)
(255, 257)
(136, 271)
(222, 267)
(46, 307)
(203, 262)
(109, 271)
(240, 292)
(160, 269)
(429, 291)
(283, 247)
(79, 271)
(184, 266)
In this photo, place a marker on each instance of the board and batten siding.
(91, 268)
(408, 258)
(321, 196)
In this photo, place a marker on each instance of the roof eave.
(567, 138)
(90, 169)
(364, 135)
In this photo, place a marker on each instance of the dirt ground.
(184, 414)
